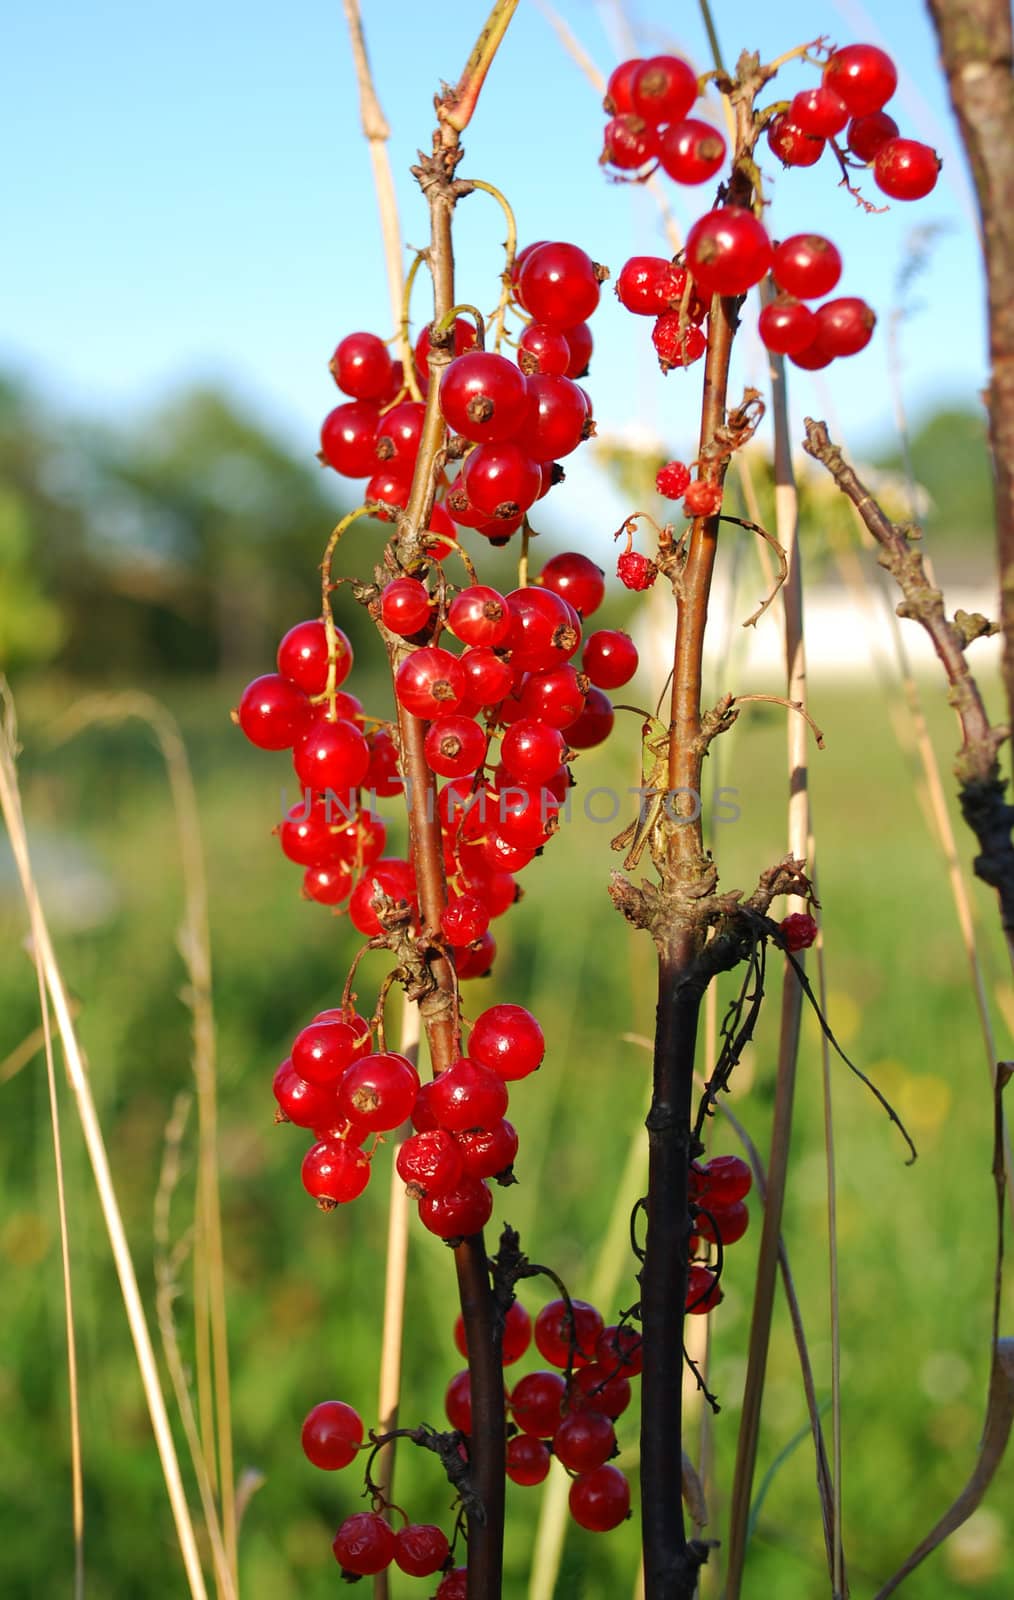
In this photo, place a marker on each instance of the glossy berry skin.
(348, 438)
(545, 631)
(558, 1343)
(517, 1334)
(636, 572)
(906, 169)
(609, 658)
(619, 1350)
(704, 1292)
(559, 285)
(475, 960)
(671, 480)
(650, 285)
(820, 112)
(598, 1388)
(332, 756)
(509, 1040)
(430, 1163)
(479, 615)
(600, 1500)
(556, 419)
(791, 145)
(786, 327)
(532, 751)
(555, 696)
(868, 134)
(306, 834)
(543, 349)
(663, 89)
(864, 76)
(678, 343)
(490, 1152)
(468, 1095)
(728, 251)
(334, 1172)
(463, 920)
(813, 358)
(460, 1212)
(394, 878)
(332, 1434)
(488, 677)
(799, 930)
(580, 343)
(454, 1586)
(537, 1403)
(306, 1105)
(322, 1051)
(405, 606)
(483, 397)
(399, 433)
(691, 151)
(845, 326)
(390, 484)
(595, 723)
(728, 1222)
(806, 265)
(720, 1181)
(620, 86)
(584, 1440)
(329, 884)
(420, 1549)
(362, 367)
(458, 1402)
(430, 682)
(455, 746)
(628, 142)
(364, 1544)
(528, 1460)
(378, 1091)
(501, 480)
(576, 579)
(273, 713)
(303, 657)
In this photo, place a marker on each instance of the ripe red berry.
(329, 885)
(517, 1334)
(454, 1586)
(906, 169)
(543, 349)
(501, 480)
(459, 1212)
(729, 1223)
(465, 339)
(391, 877)
(728, 251)
(704, 1292)
(430, 682)
(678, 342)
(791, 145)
(609, 658)
(806, 265)
(663, 89)
(650, 285)
(786, 326)
(378, 1091)
(595, 723)
(845, 326)
(558, 1340)
(331, 756)
(559, 285)
(458, 1402)
(576, 579)
(334, 1172)
(628, 142)
(332, 1434)
(671, 480)
(479, 615)
(273, 713)
(364, 1544)
(306, 1105)
(306, 834)
(812, 358)
(475, 960)
(322, 1051)
(545, 630)
(508, 1039)
(488, 677)
(490, 1152)
(691, 151)
(620, 87)
(619, 1351)
(483, 396)
(600, 1500)
(303, 657)
(799, 930)
(463, 920)
(868, 134)
(556, 420)
(455, 746)
(348, 438)
(580, 344)
(721, 1181)
(584, 1440)
(405, 606)
(702, 499)
(537, 1403)
(399, 432)
(634, 572)
(820, 112)
(468, 1095)
(532, 751)
(864, 76)
(391, 484)
(599, 1388)
(420, 1549)
(528, 1460)
(362, 367)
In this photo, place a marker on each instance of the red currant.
(609, 658)
(332, 756)
(906, 169)
(468, 1095)
(634, 572)
(557, 1340)
(479, 615)
(650, 285)
(430, 1163)
(799, 930)
(361, 366)
(501, 480)
(334, 1172)
(273, 713)
(702, 499)
(867, 135)
(332, 1434)
(628, 142)
(620, 87)
(864, 76)
(420, 1549)
(490, 1152)
(807, 265)
(532, 751)
(600, 1500)
(454, 1586)
(389, 876)
(378, 1092)
(545, 630)
(576, 579)
(322, 1051)
(820, 112)
(483, 397)
(556, 420)
(671, 480)
(405, 606)
(722, 1180)
(463, 920)
(528, 1460)
(595, 723)
(791, 145)
(729, 1223)
(786, 326)
(455, 746)
(465, 339)
(619, 1351)
(691, 151)
(580, 343)
(303, 657)
(845, 326)
(537, 1403)
(306, 1105)
(663, 89)
(517, 1334)
(488, 677)
(559, 285)
(364, 1544)
(430, 682)
(584, 1440)
(728, 251)
(460, 1212)
(399, 433)
(599, 1388)
(678, 343)
(348, 439)
(704, 1292)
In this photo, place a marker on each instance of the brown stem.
(976, 41)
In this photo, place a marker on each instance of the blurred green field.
(305, 1289)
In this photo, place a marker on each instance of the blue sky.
(187, 196)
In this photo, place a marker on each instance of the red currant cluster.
(648, 102)
(718, 1189)
(513, 422)
(856, 84)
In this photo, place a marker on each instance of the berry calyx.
(378, 1092)
(430, 682)
(455, 746)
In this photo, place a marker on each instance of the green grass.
(305, 1290)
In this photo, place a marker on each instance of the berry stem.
(455, 110)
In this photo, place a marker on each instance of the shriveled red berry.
(490, 1152)
(405, 606)
(728, 251)
(868, 134)
(650, 285)
(791, 145)
(906, 169)
(799, 930)
(348, 438)
(584, 1440)
(303, 656)
(517, 1334)
(454, 1586)
(671, 480)
(806, 265)
(559, 285)
(430, 682)
(600, 1500)
(575, 578)
(702, 499)
(663, 89)
(459, 1212)
(609, 658)
(364, 1544)
(634, 572)
(332, 1434)
(863, 75)
(528, 1460)
(468, 1095)
(430, 1162)
(845, 326)
(628, 142)
(691, 151)
(678, 343)
(786, 326)
(463, 920)
(483, 396)
(559, 1340)
(820, 112)
(334, 1172)
(537, 1403)
(273, 713)
(420, 1549)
